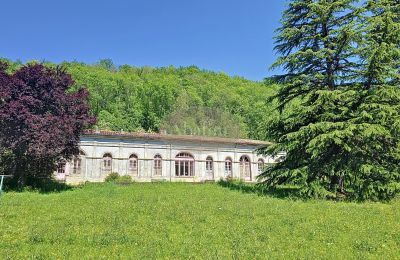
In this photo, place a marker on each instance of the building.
(163, 157)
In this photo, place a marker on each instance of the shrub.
(116, 178)
(124, 180)
(112, 177)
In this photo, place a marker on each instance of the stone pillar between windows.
(171, 164)
(94, 160)
(146, 171)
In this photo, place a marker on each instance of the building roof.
(171, 137)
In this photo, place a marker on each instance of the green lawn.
(177, 220)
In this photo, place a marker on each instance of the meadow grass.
(178, 220)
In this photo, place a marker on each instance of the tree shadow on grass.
(282, 192)
(42, 185)
(51, 186)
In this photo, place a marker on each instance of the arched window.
(61, 170)
(107, 163)
(61, 167)
(157, 165)
(245, 170)
(77, 163)
(133, 164)
(184, 165)
(209, 167)
(228, 166)
(260, 166)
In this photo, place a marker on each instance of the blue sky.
(233, 36)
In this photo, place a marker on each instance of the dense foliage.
(147, 99)
(191, 118)
(339, 101)
(39, 121)
(179, 100)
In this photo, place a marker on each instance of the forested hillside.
(183, 100)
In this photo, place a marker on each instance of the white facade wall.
(94, 148)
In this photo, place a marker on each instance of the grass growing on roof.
(178, 220)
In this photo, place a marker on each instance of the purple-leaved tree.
(41, 119)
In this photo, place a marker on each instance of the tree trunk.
(334, 183)
(20, 172)
(341, 184)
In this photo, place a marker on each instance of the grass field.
(177, 220)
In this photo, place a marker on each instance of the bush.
(112, 177)
(124, 180)
(116, 178)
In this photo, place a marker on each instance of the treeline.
(185, 100)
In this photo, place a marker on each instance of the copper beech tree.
(41, 120)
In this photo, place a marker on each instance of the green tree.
(143, 98)
(331, 144)
(376, 158)
(107, 64)
(193, 119)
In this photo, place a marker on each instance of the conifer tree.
(334, 138)
(377, 156)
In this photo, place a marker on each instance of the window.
(209, 166)
(157, 165)
(77, 163)
(61, 170)
(228, 166)
(107, 163)
(245, 171)
(184, 165)
(61, 167)
(133, 164)
(260, 166)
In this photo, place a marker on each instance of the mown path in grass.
(177, 220)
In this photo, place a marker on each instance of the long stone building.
(163, 157)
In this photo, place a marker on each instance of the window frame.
(77, 165)
(107, 163)
(184, 165)
(245, 167)
(133, 164)
(228, 169)
(209, 165)
(61, 167)
(157, 165)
